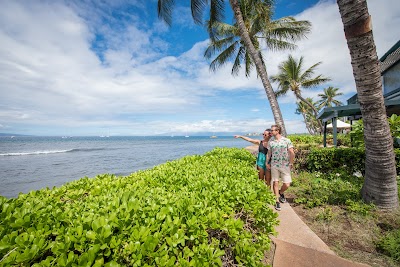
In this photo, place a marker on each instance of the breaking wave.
(49, 152)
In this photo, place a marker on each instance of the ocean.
(33, 163)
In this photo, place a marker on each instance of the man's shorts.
(282, 174)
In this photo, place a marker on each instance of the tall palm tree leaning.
(328, 98)
(217, 15)
(380, 186)
(292, 77)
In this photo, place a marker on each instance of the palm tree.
(308, 115)
(380, 186)
(292, 77)
(217, 15)
(328, 98)
(226, 42)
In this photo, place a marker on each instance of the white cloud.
(49, 59)
(239, 126)
(52, 77)
(327, 43)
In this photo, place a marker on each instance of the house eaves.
(390, 58)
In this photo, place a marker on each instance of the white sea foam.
(35, 152)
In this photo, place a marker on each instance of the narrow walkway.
(296, 245)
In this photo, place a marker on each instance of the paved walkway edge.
(293, 230)
(296, 245)
(287, 254)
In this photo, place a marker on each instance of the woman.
(263, 173)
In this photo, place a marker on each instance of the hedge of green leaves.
(196, 211)
(332, 159)
(306, 141)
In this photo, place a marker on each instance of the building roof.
(392, 107)
(391, 57)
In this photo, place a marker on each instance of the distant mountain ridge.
(210, 134)
(167, 134)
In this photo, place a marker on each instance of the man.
(281, 154)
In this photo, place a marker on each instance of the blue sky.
(92, 67)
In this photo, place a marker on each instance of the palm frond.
(288, 29)
(250, 64)
(237, 62)
(337, 102)
(197, 8)
(280, 92)
(217, 10)
(164, 10)
(309, 72)
(218, 45)
(277, 45)
(223, 57)
(315, 81)
(218, 30)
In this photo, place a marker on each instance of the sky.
(89, 68)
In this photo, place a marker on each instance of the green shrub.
(301, 160)
(326, 215)
(359, 207)
(307, 141)
(331, 159)
(389, 244)
(343, 140)
(195, 211)
(298, 139)
(397, 157)
(357, 133)
(319, 189)
(351, 160)
(394, 124)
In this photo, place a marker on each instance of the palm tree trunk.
(299, 96)
(307, 123)
(380, 186)
(261, 70)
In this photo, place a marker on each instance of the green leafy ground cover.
(204, 210)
